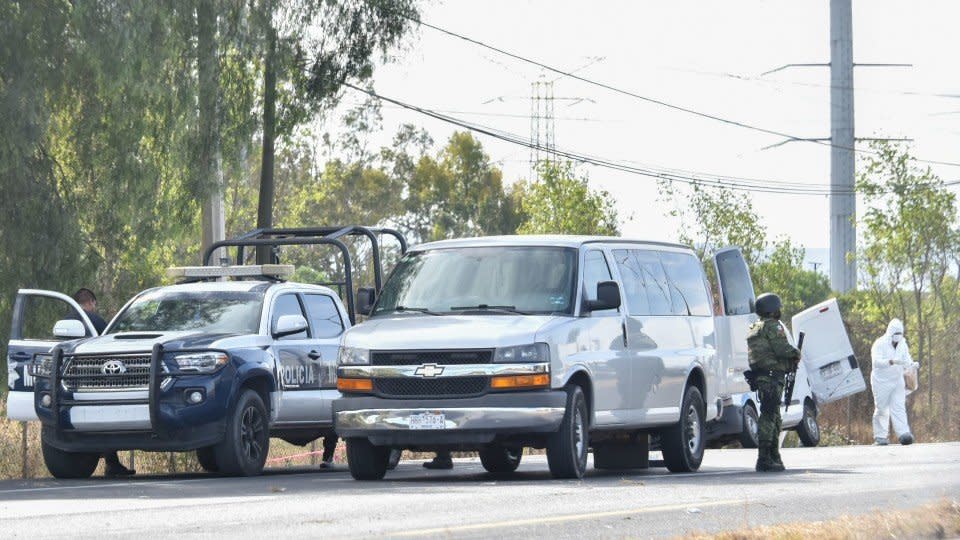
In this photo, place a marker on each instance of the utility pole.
(843, 201)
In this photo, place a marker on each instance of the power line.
(648, 99)
(685, 177)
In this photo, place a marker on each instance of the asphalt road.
(820, 483)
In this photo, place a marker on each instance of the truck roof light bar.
(277, 271)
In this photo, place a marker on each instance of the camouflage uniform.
(771, 357)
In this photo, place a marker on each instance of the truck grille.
(439, 357)
(100, 373)
(449, 387)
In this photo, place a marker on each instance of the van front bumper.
(479, 420)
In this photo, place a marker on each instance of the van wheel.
(62, 464)
(500, 459)
(750, 434)
(207, 458)
(244, 447)
(809, 429)
(366, 461)
(567, 448)
(394, 459)
(682, 443)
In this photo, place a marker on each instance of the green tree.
(562, 202)
(781, 271)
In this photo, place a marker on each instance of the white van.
(558, 342)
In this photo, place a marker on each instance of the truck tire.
(246, 442)
(207, 458)
(567, 448)
(394, 459)
(366, 461)
(682, 444)
(809, 429)
(500, 459)
(62, 464)
(750, 434)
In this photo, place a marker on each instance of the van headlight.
(353, 356)
(534, 353)
(207, 362)
(41, 366)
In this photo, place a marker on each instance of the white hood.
(144, 341)
(448, 331)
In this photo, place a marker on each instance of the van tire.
(808, 430)
(500, 459)
(63, 464)
(567, 447)
(749, 434)
(366, 461)
(207, 458)
(246, 441)
(394, 459)
(682, 444)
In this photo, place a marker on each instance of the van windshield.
(212, 312)
(496, 280)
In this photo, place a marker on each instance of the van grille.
(439, 357)
(135, 376)
(448, 387)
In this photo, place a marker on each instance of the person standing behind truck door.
(771, 357)
(890, 355)
(88, 301)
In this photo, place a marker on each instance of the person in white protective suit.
(890, 355)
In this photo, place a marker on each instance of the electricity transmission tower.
(542, 126)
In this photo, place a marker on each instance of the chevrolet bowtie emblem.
(428, 371)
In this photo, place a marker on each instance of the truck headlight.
(41, 366)
(534, 353)
(207, 362)
(353, 356)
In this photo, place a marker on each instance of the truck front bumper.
(466, 421)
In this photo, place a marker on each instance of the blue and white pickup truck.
(214, 366)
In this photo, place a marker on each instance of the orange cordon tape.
(295, 456)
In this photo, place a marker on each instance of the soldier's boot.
(775, 457)
(765, 462)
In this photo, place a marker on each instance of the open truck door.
(35, 312)
(734, 315)
(832, 368)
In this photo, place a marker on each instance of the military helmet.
(769, 305)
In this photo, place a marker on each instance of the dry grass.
(941, 520)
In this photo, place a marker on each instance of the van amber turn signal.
(506, 382)
(355, 385)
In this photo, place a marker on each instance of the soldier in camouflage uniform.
(771, 357)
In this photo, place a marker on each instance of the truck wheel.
(366, 461)
(246, 442)
(567, 448)
(809, 429)
(208, 459)
(682, 443)
(394, 459)
(750, 434)
(62, 464)
(499, 459)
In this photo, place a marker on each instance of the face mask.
(896, 338)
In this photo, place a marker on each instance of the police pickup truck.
(213, 366)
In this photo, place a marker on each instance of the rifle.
(791, 378)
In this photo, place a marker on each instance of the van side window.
(738, 295)
(655, 279)
(595, 270)
(686, 276)
(287, 304)
(633, 283)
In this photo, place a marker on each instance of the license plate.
(428, 421)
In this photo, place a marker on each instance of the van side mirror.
(608, 297)
(69, 329)
(366, 298)
(288, 325)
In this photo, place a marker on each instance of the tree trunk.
(265, 208)
(209, 166)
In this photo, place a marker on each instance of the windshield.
(494, 279)
(214, 312)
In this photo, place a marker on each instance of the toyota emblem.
(113, 367)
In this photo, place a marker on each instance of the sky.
(707, 56)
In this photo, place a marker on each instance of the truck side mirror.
(608, 297)
(366, 298)
(69, 329)
(288, 325)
